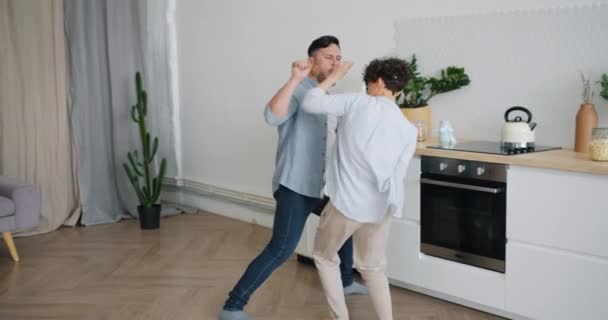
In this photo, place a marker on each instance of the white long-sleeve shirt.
(374, 145)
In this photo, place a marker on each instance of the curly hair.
(394, 72)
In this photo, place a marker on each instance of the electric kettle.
(517, 133)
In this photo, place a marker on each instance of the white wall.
(530, 58)
(234, 55)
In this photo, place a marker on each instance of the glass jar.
(599, 144)
(421, 130)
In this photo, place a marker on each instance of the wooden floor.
(182, 271)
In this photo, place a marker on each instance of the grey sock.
(234, 315)
(355, 288)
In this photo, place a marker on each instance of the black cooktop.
(491, 148)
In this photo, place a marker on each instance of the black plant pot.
(149, 218)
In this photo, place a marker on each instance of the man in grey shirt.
(298, 178)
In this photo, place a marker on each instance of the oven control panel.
(464, 168)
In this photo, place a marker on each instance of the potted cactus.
(147, 184)
(419, 90)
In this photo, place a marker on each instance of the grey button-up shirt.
(300, 158)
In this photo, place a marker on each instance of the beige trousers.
(370, 240)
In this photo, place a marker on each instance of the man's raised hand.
(300, 69)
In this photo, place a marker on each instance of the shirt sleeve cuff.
(271, 119)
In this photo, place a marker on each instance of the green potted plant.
(604, 84)
(146, 183)
(419, 90)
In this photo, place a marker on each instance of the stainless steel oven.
(463, 211)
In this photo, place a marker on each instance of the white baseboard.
(233, 204)
(456, 300)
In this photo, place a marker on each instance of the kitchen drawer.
(544, 283)
(558, 209)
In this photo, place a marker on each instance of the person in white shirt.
(365, 179)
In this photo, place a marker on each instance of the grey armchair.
(19, 209)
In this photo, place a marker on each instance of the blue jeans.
(292, 210)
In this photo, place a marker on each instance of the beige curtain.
(36, 139)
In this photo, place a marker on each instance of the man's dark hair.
(394, 72)
(322, 42)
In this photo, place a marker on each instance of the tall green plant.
(604, 84)
(419, 90)
(147, 187)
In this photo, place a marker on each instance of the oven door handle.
(460, 186)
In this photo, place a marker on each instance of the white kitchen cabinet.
(559, 209)
(411, 205)
(557, 251)
(557, 254)
(545, 283)
(403, 251)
